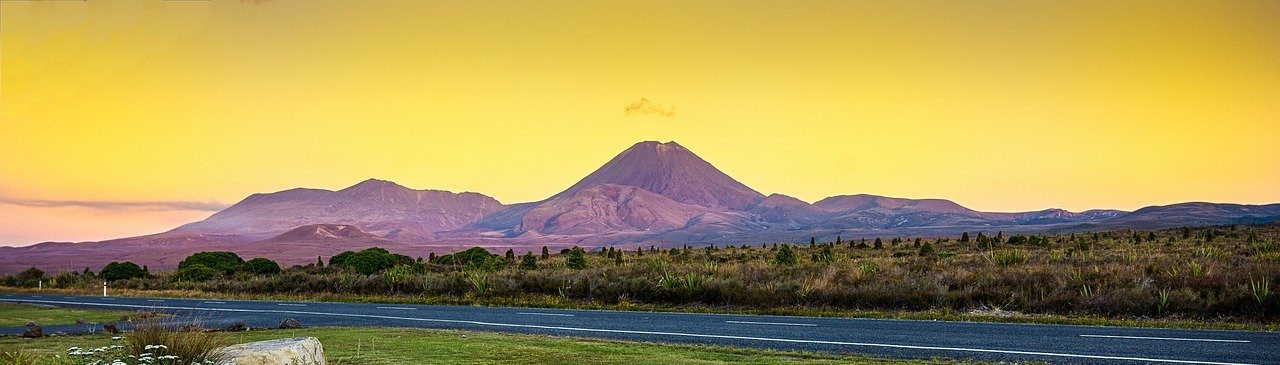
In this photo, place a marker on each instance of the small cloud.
(115, 205)
(649, 107)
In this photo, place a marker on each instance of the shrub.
(1008, 257)
(225, 262)
(196, 273)
(786, 256)
(527, 262)
(369, 260)
(926, 249)
(262, 266)
(576, 259)
(122, 271)
(475, 258)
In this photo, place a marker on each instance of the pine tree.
(1186, 233)
(639, 251)
(879, 245)
(431, 257)
(1151, 236)
(838, 240)
(964, 238)
(319, 262)
(813, 241)
(511, 255)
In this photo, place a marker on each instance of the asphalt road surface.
(877, 337)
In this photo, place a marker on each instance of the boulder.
(287, 351)
(80, 321)
(110, 328)
(289, 323)
(33, 331)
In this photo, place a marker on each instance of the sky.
(122, 118)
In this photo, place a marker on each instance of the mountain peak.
(674, 171)
(373, 184)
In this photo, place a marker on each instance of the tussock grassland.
(1208, 277)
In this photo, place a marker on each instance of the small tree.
(511, 255)
(195, 272)
(964, 238)
(122, 271)
(879, 245)
(545, 253)
(576, 259)
(785, 256)
(225, 262)
(926, 249)
(319, 261)
(527, 262)
(262, 266)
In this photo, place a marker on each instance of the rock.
(80, 321)
(239, 326)
(289, 323)
(287, 351)
(110, 328)
(33, 331)
(31, 323)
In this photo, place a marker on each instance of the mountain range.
(651, 194)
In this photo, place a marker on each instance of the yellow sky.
(998, 105)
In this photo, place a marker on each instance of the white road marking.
(207, 302)
(155, 300)
(108, 298)
(545, 314)
(292, 304)
(1167, 338)
(398, 308)
(774, 323)
(680, 334)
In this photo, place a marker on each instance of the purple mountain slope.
(654, 193)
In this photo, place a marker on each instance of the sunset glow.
(127, 118)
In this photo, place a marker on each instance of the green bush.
(475, 258)
(122, 271)
(225, 262)
(576, 259)
(527, 262)
(785, 256)
(369, 260)
(262, 266)
(196, 273)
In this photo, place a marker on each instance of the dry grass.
(1214, 274)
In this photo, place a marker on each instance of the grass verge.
(14, 314)
(376, 346)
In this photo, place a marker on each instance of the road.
(876, 337)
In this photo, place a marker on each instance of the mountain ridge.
(652, 192)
